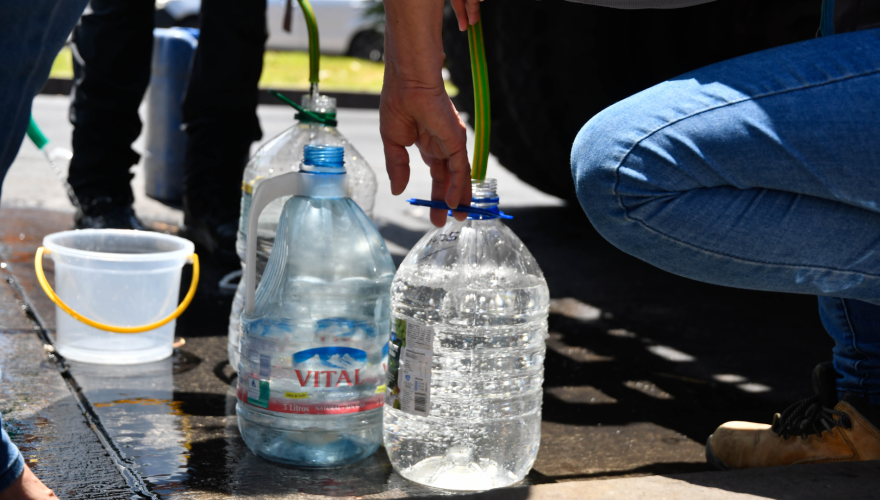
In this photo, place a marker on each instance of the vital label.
(409, 375)
(317, 381)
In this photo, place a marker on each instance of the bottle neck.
(484, 195)
(316, 185)
(322, 106)
(323, 159)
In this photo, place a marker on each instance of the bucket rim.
(186, 249)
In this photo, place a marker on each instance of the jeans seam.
(648, 135)
(863, 378)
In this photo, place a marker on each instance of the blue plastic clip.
(481, 213)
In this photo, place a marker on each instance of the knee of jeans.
(592, 167)
(619, 162)
(596, 156)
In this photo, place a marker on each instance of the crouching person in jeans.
(762, 172)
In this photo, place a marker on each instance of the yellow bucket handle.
(41, 277)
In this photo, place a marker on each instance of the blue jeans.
(31, 34)
(760, 172)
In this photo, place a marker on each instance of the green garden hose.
(36, 135)
(482, 109)
(314, 46)
(40, 141)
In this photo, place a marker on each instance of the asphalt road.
(32, 183)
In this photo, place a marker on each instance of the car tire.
(369, 45)
(553, 65)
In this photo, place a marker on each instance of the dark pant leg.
(220, 107)
(112, 47)
(31, 34)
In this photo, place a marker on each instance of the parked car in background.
(347, 27)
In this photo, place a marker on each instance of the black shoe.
(102, 212)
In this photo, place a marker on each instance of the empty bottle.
(281, 155)
(313, 339)
(469, 307)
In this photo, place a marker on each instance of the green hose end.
(36, 135)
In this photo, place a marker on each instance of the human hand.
(425, 116)
(415, 108)
(27, 487)
(467, 12)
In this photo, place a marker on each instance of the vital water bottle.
(469, 308)
(281, 155)
(314, 337)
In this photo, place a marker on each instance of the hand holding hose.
(416, 109)
(467, 12)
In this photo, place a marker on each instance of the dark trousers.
(112, 50)
(220, 107)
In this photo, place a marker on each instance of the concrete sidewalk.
(168, 430)
(641, 367)
(65, 441)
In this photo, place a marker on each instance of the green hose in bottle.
(482, 109)
(314, 45)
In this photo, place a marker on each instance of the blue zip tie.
(483, 213)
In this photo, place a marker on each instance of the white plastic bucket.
(116, 277)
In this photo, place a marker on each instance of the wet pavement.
(641, 367)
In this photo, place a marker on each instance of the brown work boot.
(817, 429)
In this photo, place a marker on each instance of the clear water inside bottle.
(280, 155)
(312, 370)
(469, 306)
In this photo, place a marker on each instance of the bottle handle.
(44, 283)
(265, 192)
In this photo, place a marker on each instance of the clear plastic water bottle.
(314, 337)
(469, 307)
(281, 155)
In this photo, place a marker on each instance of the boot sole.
(712, 459)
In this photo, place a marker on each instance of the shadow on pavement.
(850, 480)
(641, 366)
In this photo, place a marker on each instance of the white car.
(345, 26)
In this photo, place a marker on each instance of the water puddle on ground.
(185, 443)
(137, 410)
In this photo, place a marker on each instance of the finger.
(459, 170)
(473, 11)
(461, 14)
(397, 165)
(439, 185)
(438, 217)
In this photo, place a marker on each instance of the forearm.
(413, 42)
